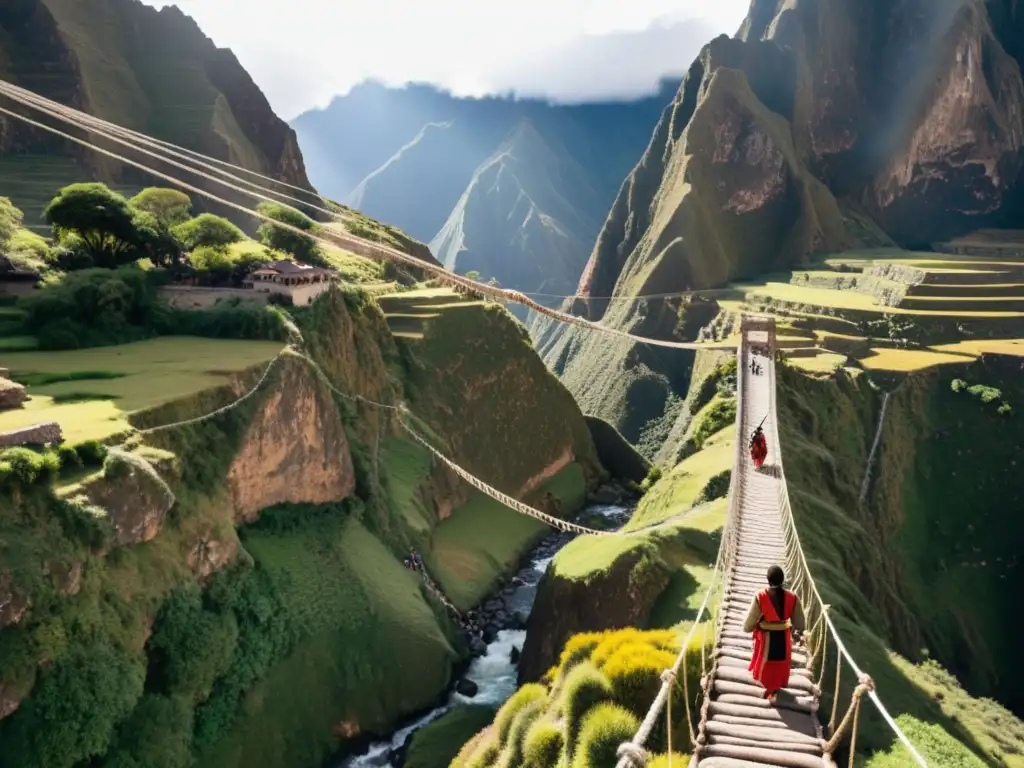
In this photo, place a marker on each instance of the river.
(494, 672)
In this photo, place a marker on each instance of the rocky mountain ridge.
(820, 127)
(147, 70)
(514, 189)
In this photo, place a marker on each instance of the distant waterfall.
(874, 449)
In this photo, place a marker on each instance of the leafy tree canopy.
(169, 206)
(207, 230)
(111, 231)
(302, 247)
(74, 709)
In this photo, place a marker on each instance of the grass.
(372, 646)
(437, 744)
(133, 378)
(482, 538)
(934, 513)
(677, 491)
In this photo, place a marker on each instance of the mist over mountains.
(515, 189)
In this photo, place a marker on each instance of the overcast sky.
(304, 52)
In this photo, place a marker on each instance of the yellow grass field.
(149, 373)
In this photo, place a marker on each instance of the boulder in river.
(514, 654)
(466, 687)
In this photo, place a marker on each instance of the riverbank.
(490, 678)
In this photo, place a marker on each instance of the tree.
(209, 230)
(169, 206)
(302, 247)
(111, 231)
(10, 221)
(74, 708)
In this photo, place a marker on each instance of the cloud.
(304, 52)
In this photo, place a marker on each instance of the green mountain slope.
(803, 135)
(525, 218)
(148, 70)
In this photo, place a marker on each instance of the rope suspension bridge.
(735, 726)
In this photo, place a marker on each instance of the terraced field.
(890, 310)
(91, 393)
(409, 313)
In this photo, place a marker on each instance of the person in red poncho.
(758, 448)
(773, 615)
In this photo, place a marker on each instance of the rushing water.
(494, 672)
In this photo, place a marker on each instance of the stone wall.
(38, 434)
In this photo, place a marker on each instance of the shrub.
(720, 414)
(526, 717)
(634, 671)
(1005, 409)
(207, 230)
(74, 708)
(578, 648)
(542, 745)
(27, 467)
(10, 220)
(604, 729)
(69, 458)
(92, 453)
(984, 393)
(532, 692)
(190, 647)
(302, 247)
(27, 250)
(585, 687)
(958, 385)
(715, 488)
(158, 734)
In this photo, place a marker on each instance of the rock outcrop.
(158, 73)
(620, 596)
(294, 450)
(38, 434)
(12, 395)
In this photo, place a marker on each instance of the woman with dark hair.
(773, 615)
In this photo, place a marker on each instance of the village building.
(301, 282)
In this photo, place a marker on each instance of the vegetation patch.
(590, 702)
(437, 744)
(136, 377)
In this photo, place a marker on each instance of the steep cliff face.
(513, 188)
(249, 556)
(929, 555)
(916, 108)
(777, 145)
(148, 70)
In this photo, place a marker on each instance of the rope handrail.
(333, 238)
(811, 591)
(632, 754)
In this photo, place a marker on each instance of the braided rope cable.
(631, 754)
(813, 597)
(347, 240)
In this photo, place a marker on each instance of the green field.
(104, 386)
(857, 308)
(483, 538)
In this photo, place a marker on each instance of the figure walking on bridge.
(758, 447)
(772, 617)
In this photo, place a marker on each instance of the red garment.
(773, 649)
(759, 450)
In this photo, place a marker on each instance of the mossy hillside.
(590, 701)
(273, 617)
(876, 564)
(655, 579)
(438, 743)
(475, 379)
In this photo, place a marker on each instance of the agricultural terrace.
(93, 393)
(891, 310)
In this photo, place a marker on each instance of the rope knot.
(668, 676)
(865, 684)
(636, 754)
